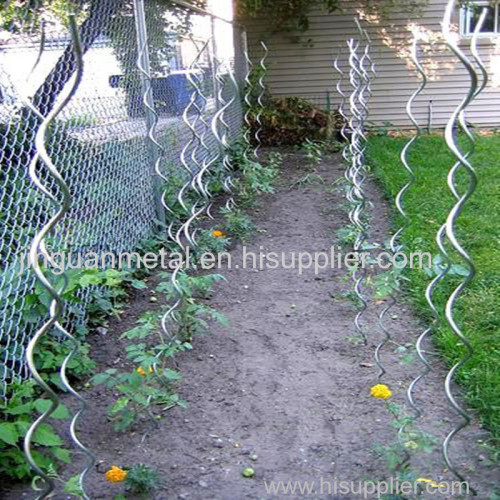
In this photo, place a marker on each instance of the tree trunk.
(100, 13)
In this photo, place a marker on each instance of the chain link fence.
(100, 141)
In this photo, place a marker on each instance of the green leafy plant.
(142, 479)
(142, 390)
(238, 224)
(17, 414)
(347, 234)
(192, 316)
(149, 387)
(313, 151)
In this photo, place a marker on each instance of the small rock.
(153, 299)
(101, 330)
(218, 443)
(254, 457)
(203, 484)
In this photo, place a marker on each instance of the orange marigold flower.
(381, 391)
(116, 474)
(217, 233)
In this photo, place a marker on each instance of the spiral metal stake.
(195, 142)
(440, 239)
(260, 98)
(248, 104)
(198, 183)
(38, 247)
(343, 130)
(151, 114)
(454, 214)
(222, 137)
(357, 172)
(399, 204)
(395, 245)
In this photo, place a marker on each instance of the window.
(469, 16)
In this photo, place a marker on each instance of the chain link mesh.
(100, 141)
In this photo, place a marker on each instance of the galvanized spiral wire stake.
(260, 102)
(194, 143)
(404, 160)
(454, 214)
(198, 180)
(37, 248)
(248, 104)
(222, 136)
(152, 121)
(345, 119)
(357, 174)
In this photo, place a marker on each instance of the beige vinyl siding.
(305, 70)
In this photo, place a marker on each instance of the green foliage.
(238, 224)
(347, 235)
(192, 316)
(142, 479)
(150, 385)
(142, 389)
(17, 414)
(208, 243)
(50, 355)
(293, 15)
(313, 151)
(428, 203)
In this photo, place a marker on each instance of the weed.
(313, 151)
(17, 416)
(142, 479)
(238, 224)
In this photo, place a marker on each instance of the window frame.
(465, 19)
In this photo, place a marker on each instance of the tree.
(293, 15)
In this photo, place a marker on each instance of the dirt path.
(283, 389)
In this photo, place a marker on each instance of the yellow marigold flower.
(116, 474)
(217, 233)
(381, 391)
(142, 372)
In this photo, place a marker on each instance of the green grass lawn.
(428, 203)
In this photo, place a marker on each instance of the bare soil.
(285, 388)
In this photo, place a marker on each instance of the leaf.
(62, 454)
(8, 433)
(24, 409)
(61, 413)
(100, 378)
(126, 420)
(171, 374)
(119, 405)
(46, 436)
(138, 284)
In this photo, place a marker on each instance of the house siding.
(305, 69)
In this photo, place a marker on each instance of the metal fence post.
(151, 118)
